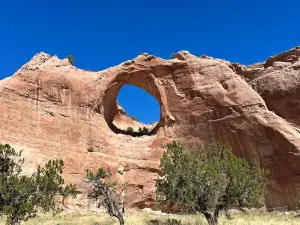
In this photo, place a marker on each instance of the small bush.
(71, 59)
(140, 132)
(129, 130)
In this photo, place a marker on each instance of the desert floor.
(150, 218)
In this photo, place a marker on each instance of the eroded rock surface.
(51, 109)
(278, 82)
(123, 121)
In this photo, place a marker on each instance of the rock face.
(51, 109)
(278, 82)
(123, 121)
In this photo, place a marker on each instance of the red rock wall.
(51, 109)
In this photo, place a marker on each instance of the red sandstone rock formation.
(51, 109)
(123, 121)
(278, 82)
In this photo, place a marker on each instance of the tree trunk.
(211, 219)
(112, 206)
(15, 222)
(121, 219)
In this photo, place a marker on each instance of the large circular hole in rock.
(138, 113)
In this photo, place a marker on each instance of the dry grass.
(143, 218)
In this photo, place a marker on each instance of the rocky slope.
(51, 109)
(124, 121)
(278, 82)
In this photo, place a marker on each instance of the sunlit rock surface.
(51, 109)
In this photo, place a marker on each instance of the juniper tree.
(208, 180)
(71, 59)
(130, 130)
(104, 193)
(22, 196)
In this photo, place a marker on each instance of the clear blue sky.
(139, 103)
(100, 34)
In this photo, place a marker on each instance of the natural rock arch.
(63, 111)
(144, 81)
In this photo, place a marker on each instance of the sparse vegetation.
(143, 218)
(145, 130)
(208, 180)
(104, 193)
(71, 59)
(134, 118)
(140, 132)
(22, 196)
(130, 130)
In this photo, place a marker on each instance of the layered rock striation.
(51, 109)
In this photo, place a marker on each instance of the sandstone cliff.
(51, 109)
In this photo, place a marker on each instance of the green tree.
(22, 196)
(208, 180)
(104, 193)
(71, 59)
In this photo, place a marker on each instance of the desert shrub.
(71, 59)
(129, 130)
(21, 196)
(208, 180)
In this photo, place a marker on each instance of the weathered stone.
(278, 83)
(51, 109)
